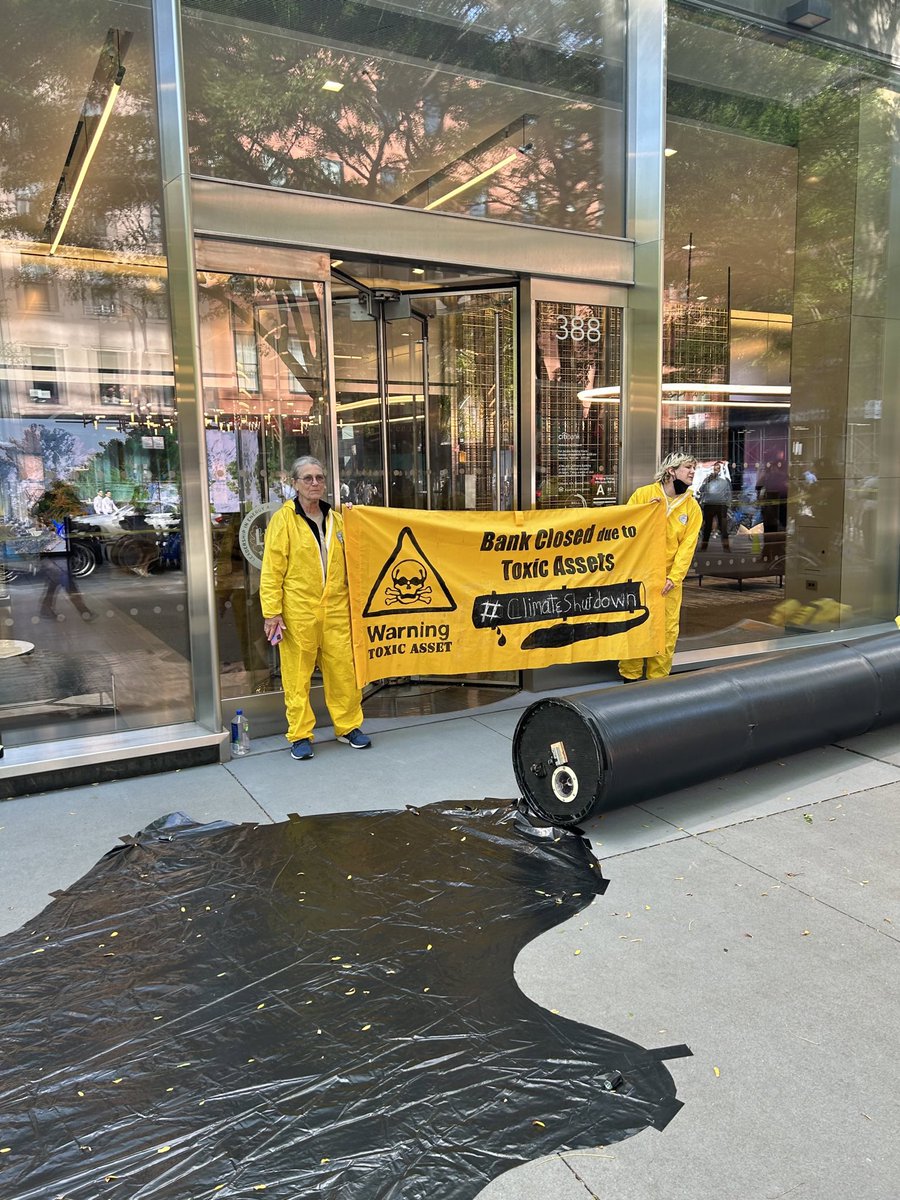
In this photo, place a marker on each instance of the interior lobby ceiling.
(407, 276)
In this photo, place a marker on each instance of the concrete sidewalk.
(755, 918)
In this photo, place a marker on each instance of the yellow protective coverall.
(315, 606)
(683, 523)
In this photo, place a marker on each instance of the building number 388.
(578, 329)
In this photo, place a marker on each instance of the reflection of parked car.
(135, 541)
(164, 516)
(125, 518)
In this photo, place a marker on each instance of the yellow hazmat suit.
(315, 605)
(683, 522)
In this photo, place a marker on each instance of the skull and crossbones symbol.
(408, 580)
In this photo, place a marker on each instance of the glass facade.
(484, 110)
(422, 376)
(264, 396)
(780, 209)
(92, 587)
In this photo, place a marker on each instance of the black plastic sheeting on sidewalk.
(322, 1007)
(623, 745)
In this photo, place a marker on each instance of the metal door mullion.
(426, 391)
(326, 314)
(382, 382)
(498, 388)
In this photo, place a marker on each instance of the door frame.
(533, 290)
(242, 255)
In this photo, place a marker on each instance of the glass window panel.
(578, 399)
(473, 109)
(253, 435)
(38, 294)
(358, 400)
(92, 591)
(780, 205)
(58, 61)
(89, 590)
(472, 391)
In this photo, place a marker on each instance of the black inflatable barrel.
(622, 745)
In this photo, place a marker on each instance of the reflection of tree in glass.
(48, 56)
(788, 163)
(60, 451)
(259, 111)
(59, 501)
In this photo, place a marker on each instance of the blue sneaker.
(357, 739)
(302, 749)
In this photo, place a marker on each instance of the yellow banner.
(449, 593)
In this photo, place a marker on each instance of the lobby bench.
(737, 564)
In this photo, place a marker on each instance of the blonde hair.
(671, 463)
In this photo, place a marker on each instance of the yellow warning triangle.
(408, 583)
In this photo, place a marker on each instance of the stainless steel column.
(426, 397)
(645, 181)
(498, 400)
(524, 496)
(176, 195)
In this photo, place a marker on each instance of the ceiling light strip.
(474, 181)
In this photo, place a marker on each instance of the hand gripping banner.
(449, 593)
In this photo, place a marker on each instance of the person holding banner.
(306, 605)
(684, 518)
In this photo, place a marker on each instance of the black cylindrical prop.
(621, 745)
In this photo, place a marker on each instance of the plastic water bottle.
(240, 734)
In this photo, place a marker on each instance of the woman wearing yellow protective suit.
(306, 606)
(672, 485)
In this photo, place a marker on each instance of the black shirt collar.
(323, 504)
(326, 509)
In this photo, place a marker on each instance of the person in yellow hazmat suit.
(684, 519)
(306, 606)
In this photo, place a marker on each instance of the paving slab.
(49, 841)
(503, 722)
(546, 1179)
(788, 1003)
(626, 829)
(460, 759)
(784, 783)
(881, 743)
(845, 853)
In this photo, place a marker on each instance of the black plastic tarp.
(321, 1007)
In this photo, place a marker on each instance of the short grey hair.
(671, 463)
(305, 460)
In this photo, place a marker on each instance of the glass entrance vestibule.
(403, 378)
